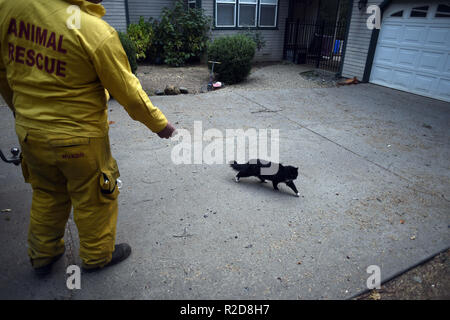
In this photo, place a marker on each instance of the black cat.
(257, 168)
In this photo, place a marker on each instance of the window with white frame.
(268, 13)
(226, 13)
(246, 13)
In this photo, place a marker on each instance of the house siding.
(358, 42)
(147, 8)
(116, 14)
(274, 38)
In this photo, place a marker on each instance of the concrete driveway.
(374, 183)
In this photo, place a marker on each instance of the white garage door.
(413, 50)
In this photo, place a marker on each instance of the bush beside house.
(180, 36)
(235, 54)
(142, 35)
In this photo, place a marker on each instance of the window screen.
(247, 13)
(226, 13)
(268, 13)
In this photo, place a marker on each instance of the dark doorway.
(315, 33)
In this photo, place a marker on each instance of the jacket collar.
(93, 9)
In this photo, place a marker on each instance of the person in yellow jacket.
(57, 57)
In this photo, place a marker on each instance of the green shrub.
(181, 34)
(235, 54)
(142, 35)
(155, 52)
(130, 50)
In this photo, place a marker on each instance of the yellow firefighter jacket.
(57, 57)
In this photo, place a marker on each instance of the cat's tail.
(236, 166)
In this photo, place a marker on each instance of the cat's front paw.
(297, 195)
(236, 179)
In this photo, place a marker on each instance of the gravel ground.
(429, 281)
(156, 77)
(263, 76)
(285, 76)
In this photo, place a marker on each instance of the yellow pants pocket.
(69, 142)
(108, 185)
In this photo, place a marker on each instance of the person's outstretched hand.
(167, 132)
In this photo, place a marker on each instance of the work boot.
(45, 270)
(121, 252)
